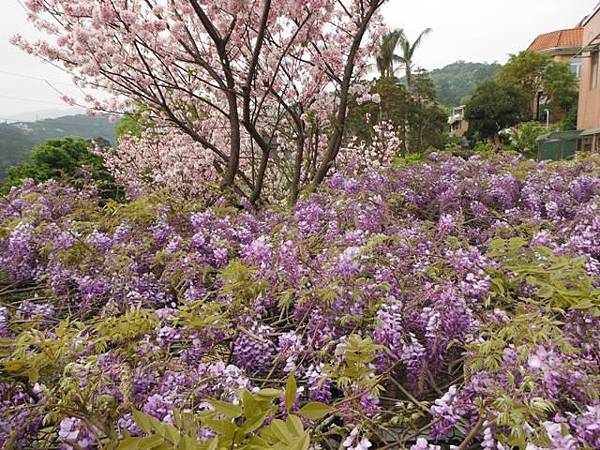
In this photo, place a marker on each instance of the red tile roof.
(558, 39)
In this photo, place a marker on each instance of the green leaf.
(268, 434)
(171, 433)
(178, 418)
(291, 388)
(222, 427)
(254, 423)
(302, 444)
(227, 409)
(151, 442)
(251, 406)
(164, 446)
(130, 443)
(142, 421)
(214, 444)
(257, 443)
(516, 243)
(281, 431)
(269, 393)
(314, 410)
(189, 443)
(294, 424)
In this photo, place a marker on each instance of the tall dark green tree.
(525, 70)
(560, 85)
(428, 120)
(416, 117)
(494, 107)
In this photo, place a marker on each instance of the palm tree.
(387, 53)
(408, 49)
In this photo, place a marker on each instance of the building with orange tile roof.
(588, 118)
(561, 45)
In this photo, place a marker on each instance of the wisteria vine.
(443, 304)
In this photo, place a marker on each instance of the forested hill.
(18, 138)
(457, 81)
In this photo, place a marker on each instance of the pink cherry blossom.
(238, 78)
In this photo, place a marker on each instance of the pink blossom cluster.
(163, 160)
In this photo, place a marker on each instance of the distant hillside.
(43, 114)
(456, 82)
(17, 139)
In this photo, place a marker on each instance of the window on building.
(595, 70)
(576, 64)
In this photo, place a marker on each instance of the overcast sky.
(470, 30)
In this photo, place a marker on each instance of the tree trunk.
(295, 188)
(335, 141)
(233, 162)
(260, 177)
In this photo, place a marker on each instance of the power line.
(62, 122)
(49, 83)
(31, 77)
(11, 97)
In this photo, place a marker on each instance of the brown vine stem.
(8, 287)
(472, 434)
(7, 291)
(433, 383)
(393, 445)
(252, 335)
(409, 395)
(422, 429)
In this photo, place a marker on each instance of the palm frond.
(386, 57)
(418, 41)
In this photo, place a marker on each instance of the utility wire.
(60, 119)
(35, 100)
(31, 77)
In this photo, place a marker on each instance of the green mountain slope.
(457, 81)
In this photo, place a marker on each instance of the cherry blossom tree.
(246, 81)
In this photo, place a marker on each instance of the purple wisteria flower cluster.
(442, 304)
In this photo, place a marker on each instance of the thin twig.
(472, 434)
(409, 395)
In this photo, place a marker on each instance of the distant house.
(588, 119)
(458, 124)
(561, 46)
